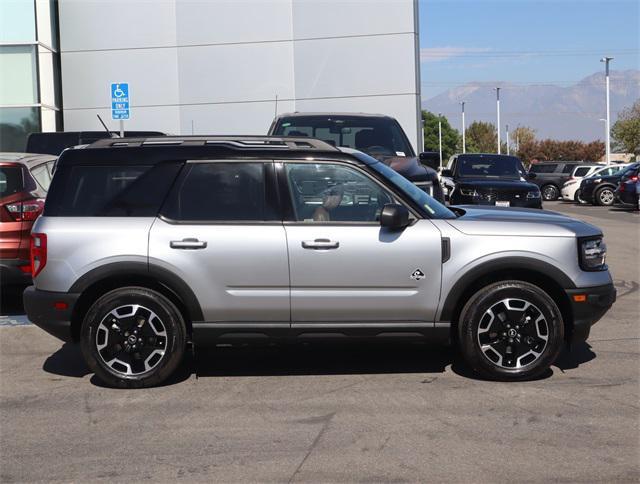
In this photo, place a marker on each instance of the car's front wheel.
(133, 337)
(577, 197)
(510, 330)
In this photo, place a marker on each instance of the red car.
(24, 180)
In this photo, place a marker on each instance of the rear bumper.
(597, 301)
(41, 310)
(11, 274)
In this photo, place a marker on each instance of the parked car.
(24, 180)
(627, 193)
(488, 179)
(600, 171)
(571, 188)
(600, 189)
(551, 175)
(377, 135)
(139, 252)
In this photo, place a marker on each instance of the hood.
(496, 184)
(526, 222)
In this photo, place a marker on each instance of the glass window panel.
(15, 126)
(18, 75)
(17, 21)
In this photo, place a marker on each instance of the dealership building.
(204, 67)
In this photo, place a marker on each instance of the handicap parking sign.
(120, 100)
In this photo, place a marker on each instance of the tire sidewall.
(475, 308)
(164, 309)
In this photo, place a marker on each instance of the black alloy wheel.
(133, 337)
(510, 330)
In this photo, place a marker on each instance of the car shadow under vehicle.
(321, 358)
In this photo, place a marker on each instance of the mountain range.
(556, 112)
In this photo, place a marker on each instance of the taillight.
(26, 210)
(38, 253)
(634, 178)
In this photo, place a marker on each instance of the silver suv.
(148, 245)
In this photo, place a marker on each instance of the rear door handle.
(320, 244)
(187, 244)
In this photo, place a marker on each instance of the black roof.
(154, 150)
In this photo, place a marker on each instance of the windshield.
(375, 135)
(429, 204)
(490, 167)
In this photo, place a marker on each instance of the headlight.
(469, 192)
(534, 194)
(593, 252)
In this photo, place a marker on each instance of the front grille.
(502, 195)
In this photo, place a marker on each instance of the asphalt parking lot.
(351, 412)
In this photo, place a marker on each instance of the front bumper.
(11, 274)
(458, 199)
(588, 305)
(50, 311)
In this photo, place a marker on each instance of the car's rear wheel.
(510, 330)
(550, 193)
(133, 337)
(605, 196)
(577, 197)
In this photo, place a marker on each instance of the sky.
(524, 41)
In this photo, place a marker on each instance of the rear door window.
(110, 190)
(10, 180)
(568, 168)
(221, 192)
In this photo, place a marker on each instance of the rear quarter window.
(110, 190)
(10, 180)
(546, 168)
(581, 171)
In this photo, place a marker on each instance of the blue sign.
(120, 100)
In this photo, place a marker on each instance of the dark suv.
(24, 180)
(377, 135)
(600, 190)
(488, 179)
(551, 175)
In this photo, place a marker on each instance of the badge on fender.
(417, 275)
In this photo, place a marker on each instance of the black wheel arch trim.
(158, 274)
(452, 301)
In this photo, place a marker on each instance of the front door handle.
(320, 244)
(187, 244)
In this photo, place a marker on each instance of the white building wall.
(216, 67)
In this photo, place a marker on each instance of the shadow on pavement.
(327, 358)
(11, 300)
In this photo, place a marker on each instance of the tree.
(554, 150)
(450, 136)
(626, 130)
(522, 134)
(481, 137)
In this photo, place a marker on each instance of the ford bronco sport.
(146, 245)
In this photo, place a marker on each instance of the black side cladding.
(110, 190)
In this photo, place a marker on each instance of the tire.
(513, 348)
(604, 197)
(133, 337)
(577, 197)
(550, 193)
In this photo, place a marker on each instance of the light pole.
(604, 120)
(498, 115)
(606, 61)
(508, 150)
(464, 141)
(440, 137)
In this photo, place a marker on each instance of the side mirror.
(530, 176)
(446, 172)
(430, 159)
(394, 216)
